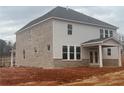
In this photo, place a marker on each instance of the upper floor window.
(111, 33)
(106, 33)
(69, 29)
(65, 52)
(101, 33)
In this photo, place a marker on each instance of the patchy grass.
(39, 76)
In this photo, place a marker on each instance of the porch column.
(119, 56)
(100, 56)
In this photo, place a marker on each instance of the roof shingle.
(69, 14)
(96, 40)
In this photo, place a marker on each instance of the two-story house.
(66, 38)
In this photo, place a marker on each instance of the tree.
(2, 47)
(5, 48)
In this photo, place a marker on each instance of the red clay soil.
(19, 76)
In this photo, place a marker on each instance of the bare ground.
(66, 76)
(110, 79)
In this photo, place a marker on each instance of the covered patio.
(94, 52)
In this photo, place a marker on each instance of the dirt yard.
(66, 76)
(110, 79)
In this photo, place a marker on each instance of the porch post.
(119, 56)
(100, 56)
(12, 58)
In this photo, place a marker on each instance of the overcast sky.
(14, 18)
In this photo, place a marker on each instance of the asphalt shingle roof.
(96, 40)
(69, 14)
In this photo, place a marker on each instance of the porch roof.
(106, 42)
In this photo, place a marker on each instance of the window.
(23, 54)
(109, 52)
(71, 52)
(91, 57)
(121, 51)
(106, 33)
(111, 33)
(65, 51)
(35, 50)
(78, 52)
(48, 47)
(96, 57)
(69, 29)
(14, 54)
(101, 33)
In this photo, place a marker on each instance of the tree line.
(5, 48)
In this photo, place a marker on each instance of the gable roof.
(100, 40)
(69, 14)
(96, 40)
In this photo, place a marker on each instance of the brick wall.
(35, 42)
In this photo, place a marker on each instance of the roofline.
(91, 43)
(86, 23)
(33, 25)
(100, 42)
(96, 42)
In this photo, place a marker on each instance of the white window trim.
(104, 32)
(110, 33)
(68, 54)
(75, 52)
(72, 52)
(64, 52)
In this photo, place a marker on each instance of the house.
(66, 38)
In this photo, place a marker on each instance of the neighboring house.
(66, 38)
